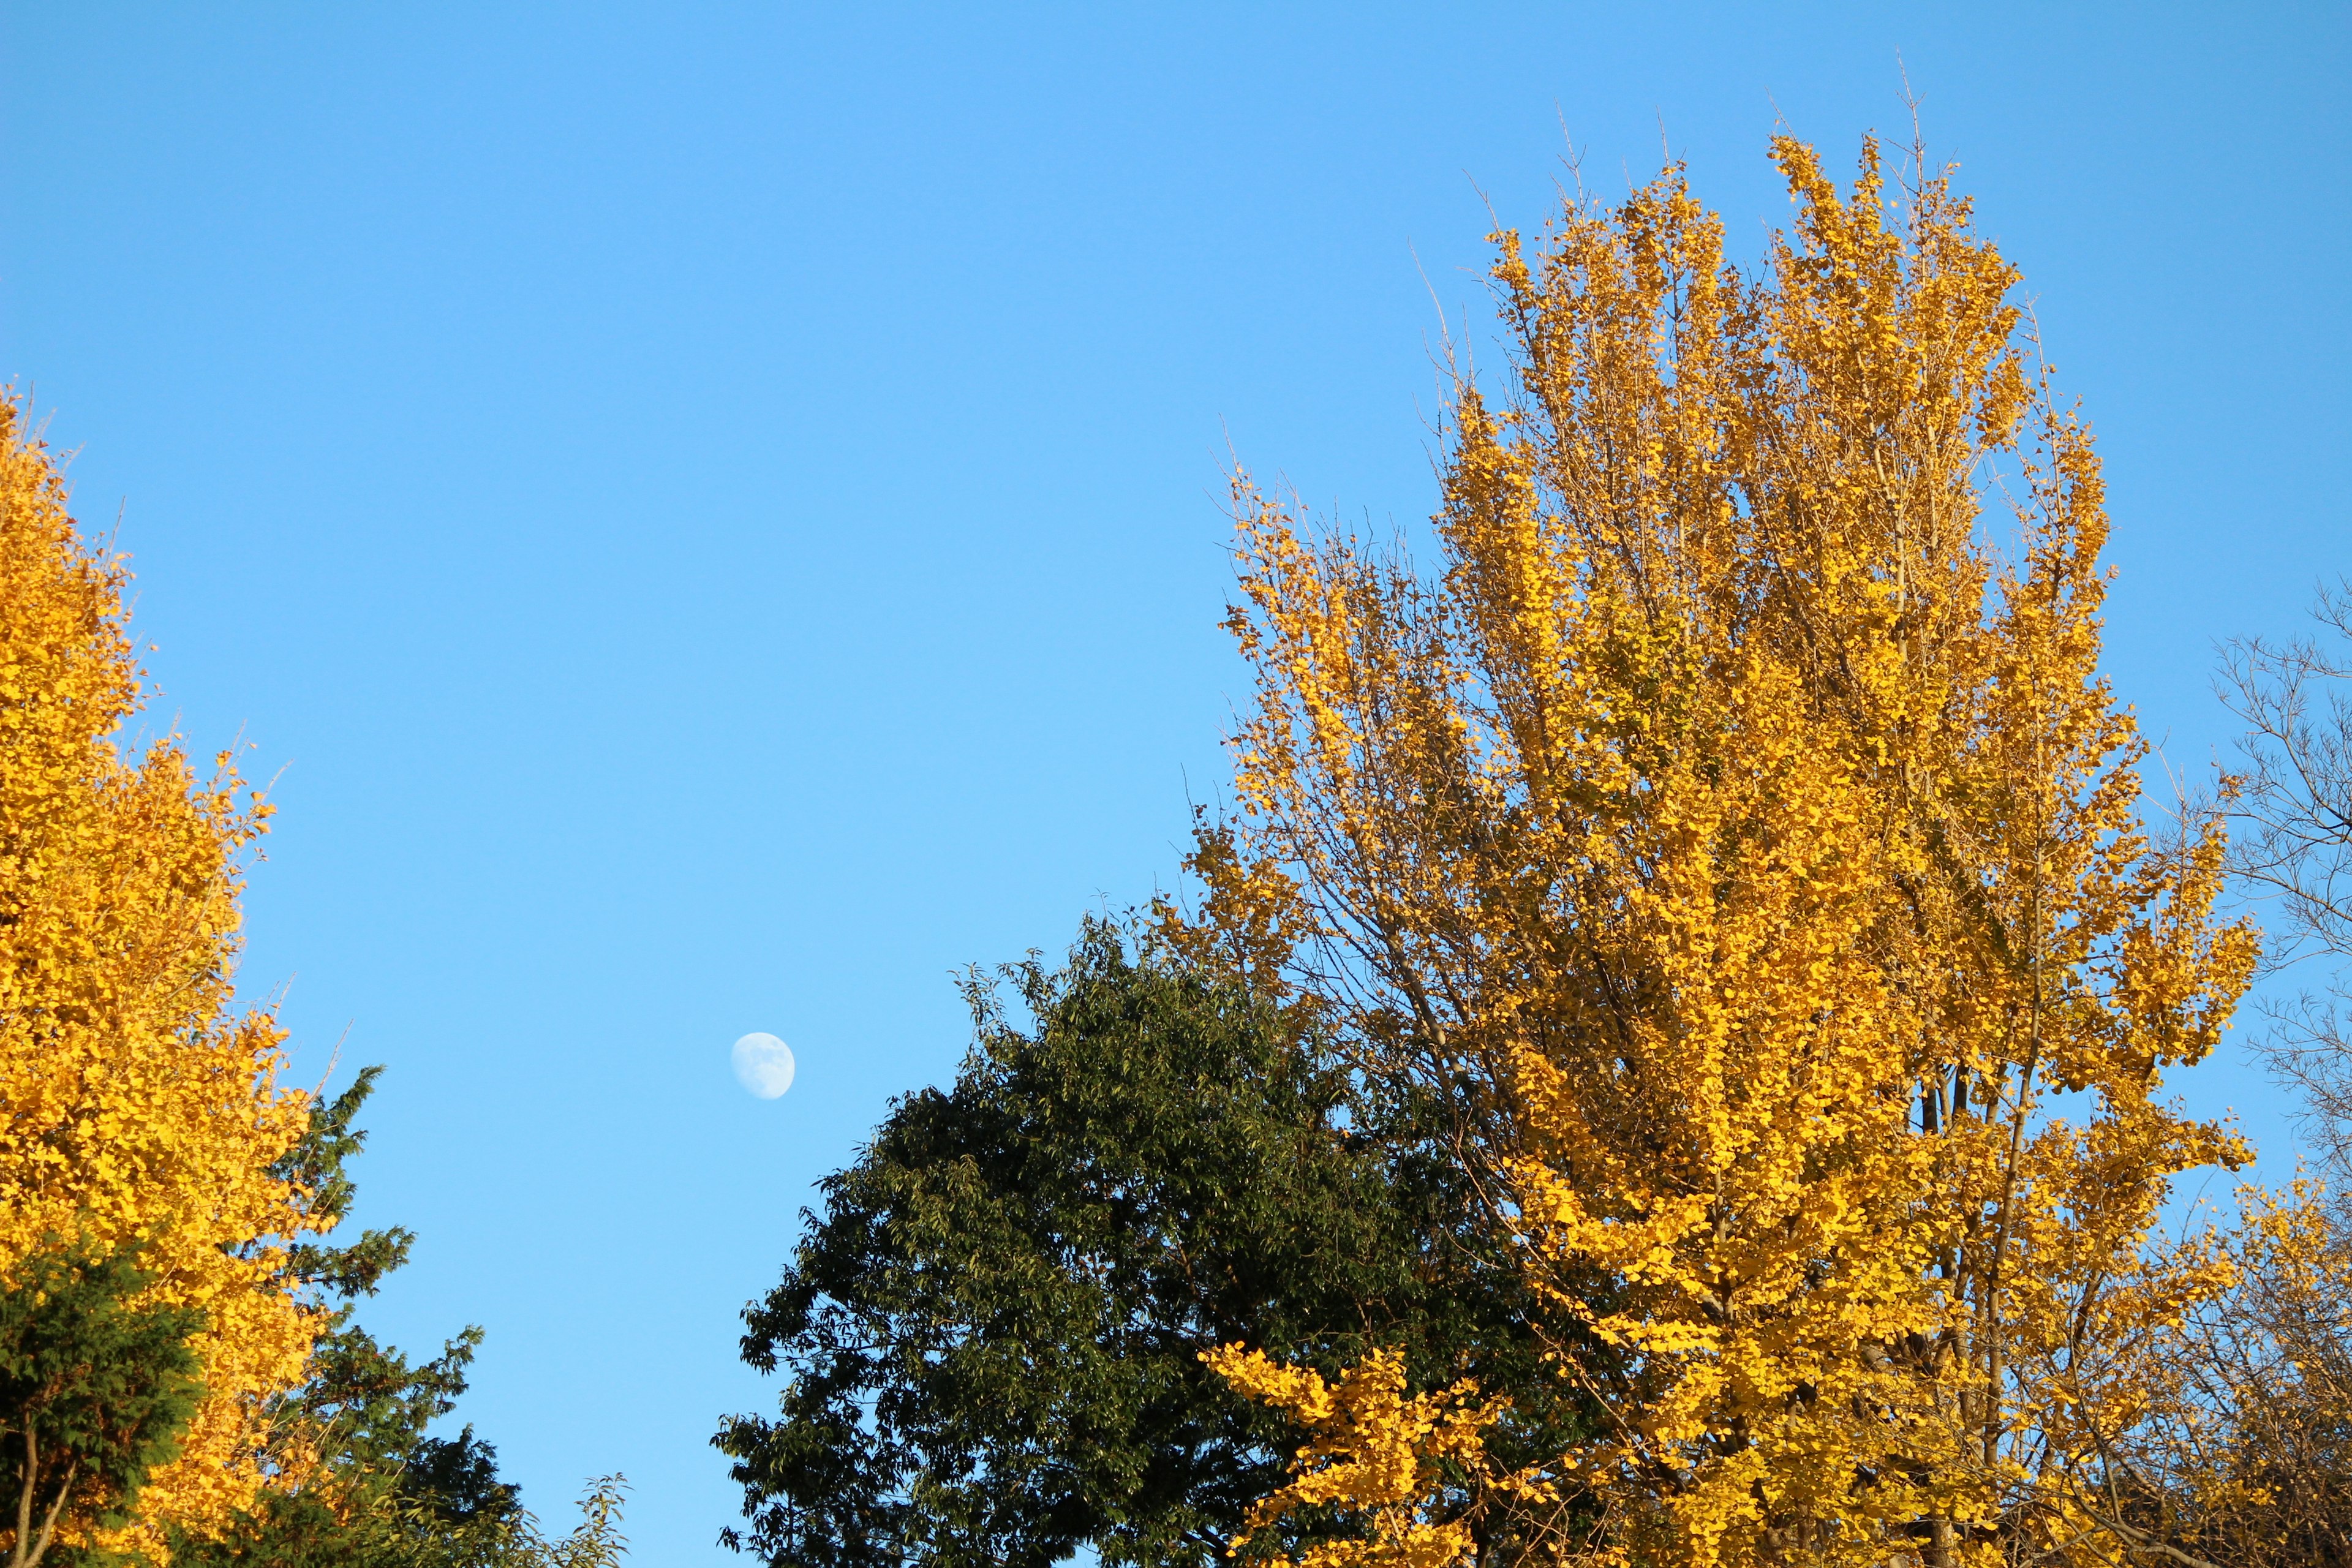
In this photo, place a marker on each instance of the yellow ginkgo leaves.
(136, 1104)
(1738, 834)
(1372, 1449)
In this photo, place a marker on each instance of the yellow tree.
(137, 1105)
(1740, 830)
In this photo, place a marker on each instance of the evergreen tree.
(992, 1336)
(97, 1383)
(380, 1483)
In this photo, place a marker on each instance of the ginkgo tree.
(1736, 827)
(138, 1106)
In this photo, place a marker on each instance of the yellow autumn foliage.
(1739, 832)
(136, 1102)
(1372, 1449)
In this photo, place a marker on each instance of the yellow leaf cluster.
(1749, 847)
(2239, 1458)
(136, 1104)
(1371, 1449)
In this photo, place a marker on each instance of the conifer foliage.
(95, 1390)
(375, 1487)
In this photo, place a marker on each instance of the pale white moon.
(764, 1064)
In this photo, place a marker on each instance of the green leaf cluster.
(391, 1493)
(990, 1338)
(95, 1390)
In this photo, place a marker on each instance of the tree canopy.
(992, 1334)
(1670, 1065)
(1748, 848)
(138, 1106)
(98, 1381)
(174, 1328)
(375, 1485)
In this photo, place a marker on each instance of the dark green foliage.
(390, 1487)
(415, 1536)
(371, 1402)
(457, 1479)
(991, 1336)
(94, 1393)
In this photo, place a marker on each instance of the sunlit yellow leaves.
(1371, 1447)
(135, 1103)
(1743, 839)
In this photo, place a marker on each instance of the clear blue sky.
(714, 509)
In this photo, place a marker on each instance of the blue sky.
(711, 514)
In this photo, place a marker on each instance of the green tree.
(383, 1485)
(95, 1390)
(991, 1335)
(423, 1534)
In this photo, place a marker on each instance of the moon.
(764, 1064)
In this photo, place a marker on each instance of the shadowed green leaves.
(95, 1389)
(388, 1493)
(991, 1336)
